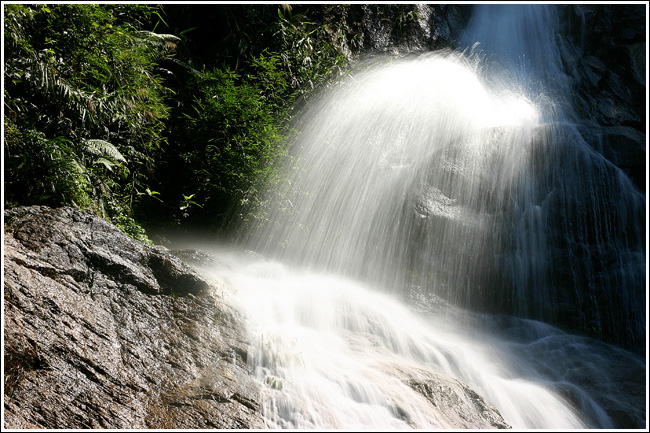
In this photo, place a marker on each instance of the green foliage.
(122, 219)
(187, 202)
(85, 109)
(61, 177)
(228, 128)
(104, 114)
(272, 79)
(306, 50)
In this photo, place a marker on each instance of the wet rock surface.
(393, 28)
(456, 403)
(104, 332)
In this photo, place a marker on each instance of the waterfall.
(520, 40)
(429, 193)
(332, 353)
(452, 174)
(402, 156)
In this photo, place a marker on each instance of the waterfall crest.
(396, 173)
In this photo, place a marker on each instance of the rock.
(101, 331)
(455, 404)
(608, 80)
(394, 29)
(637, 61)
(628, 151)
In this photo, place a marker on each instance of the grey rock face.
(395, 29)
(104, 332)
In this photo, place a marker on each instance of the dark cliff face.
(603, 52)
(597, 245)
(103, 332)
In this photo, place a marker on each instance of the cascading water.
(438, 177)
(578, 227)
(461, 175)
(403, 147)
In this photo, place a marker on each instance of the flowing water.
(332, 353)
(427, 183)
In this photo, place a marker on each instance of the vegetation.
(84, 106)
(107, 108)
(228, 127)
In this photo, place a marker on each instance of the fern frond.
(186, 66)
(105, 162)
(75, 167)
(45, 78)
(158, 40)
(159, 37)
(103, 148)
(93, 108)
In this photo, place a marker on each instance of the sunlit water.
(441, 176)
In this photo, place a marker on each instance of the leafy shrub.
(308, 55)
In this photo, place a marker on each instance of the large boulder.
(101, 331)
(456, 403)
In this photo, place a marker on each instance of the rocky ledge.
(101, 331)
